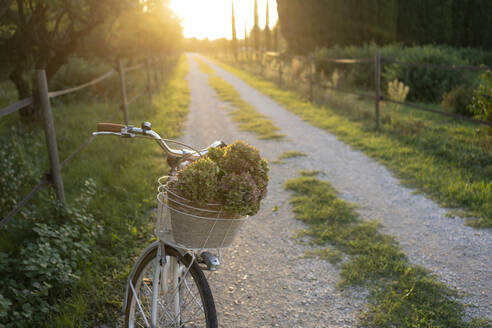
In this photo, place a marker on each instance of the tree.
(256, 29)
(245, 37)
(234, 38)
(267, 30)
(42, 34)
(308, 24)
(275, 37)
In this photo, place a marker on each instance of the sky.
(212, 18)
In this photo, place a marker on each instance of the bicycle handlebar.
(129, 131)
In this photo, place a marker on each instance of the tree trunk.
(28, 114)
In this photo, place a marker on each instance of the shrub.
(78, 71)
(397, 91)
(481, 104)
(43, 250)
(458, 100)
(426, 85)
(297, 68)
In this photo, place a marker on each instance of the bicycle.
(181, 297)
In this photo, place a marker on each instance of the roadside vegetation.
(286, 155)
(247, 118)
(401, 294)
(449, 161)
(68, 267)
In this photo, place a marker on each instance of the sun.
(212, 18)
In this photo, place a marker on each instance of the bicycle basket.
(182, 224)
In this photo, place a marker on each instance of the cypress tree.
(234, 37)
(267, 29)
(275, 38)
(245, 37)
(256, 29)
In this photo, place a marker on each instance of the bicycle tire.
(207, 317)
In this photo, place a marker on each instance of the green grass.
(291, 154)
(449, 161)
(241, 112)
(286, 155)
(401, 294)
(125, 172)
(126, 175)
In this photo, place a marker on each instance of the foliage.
(125, 195)
(240, 157)
(197, 182)
(311, 24)
(482, 98)
(397, 91)
(426, 85)
(402, 295)
(458, 100)
(235, 177)
(45, 34)
(56, 244)
(240, 193)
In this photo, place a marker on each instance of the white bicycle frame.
(167, 269)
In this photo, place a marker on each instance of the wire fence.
(257, 61)
(54, 176)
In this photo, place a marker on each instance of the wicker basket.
(181, 223)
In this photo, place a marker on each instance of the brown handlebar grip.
(110, 127)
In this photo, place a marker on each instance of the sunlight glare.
(212, 18)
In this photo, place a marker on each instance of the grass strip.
(401, 294)
(287, 155)
(126, 186)
(450, 162)
(247, 118)
(291, 154)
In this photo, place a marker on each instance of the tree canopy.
(308, 24)
(44, 33)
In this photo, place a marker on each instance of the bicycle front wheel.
(183, 297)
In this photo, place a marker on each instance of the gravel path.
(264, 280)
(461, 256)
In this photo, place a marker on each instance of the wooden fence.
(44, 95)
(255, 61)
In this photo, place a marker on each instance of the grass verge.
(247, 118)
(121, 174)
(449, 161)
(127, 196)
(401, 295)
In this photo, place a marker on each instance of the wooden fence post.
(50, 134)
(311, 77)
(250, 57)
(280, 71)
(261, 62)
(123, 90)
(156, 77)
(377, 85)
(149, 80)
